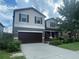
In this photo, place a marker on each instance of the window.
(52, 24)
(38, 20)
(23, 18)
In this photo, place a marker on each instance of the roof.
(50, 19)
(1, 24)
(29, 9)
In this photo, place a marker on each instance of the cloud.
(56, 7)
(26, 1)
(53, 7)
(46, 14)
(6, 16)
(3, 8)
(6, 13)
(8, 29)
(48, 7)
(50, 2)
(22, 3)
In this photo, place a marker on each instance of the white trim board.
(30, 31)
(30, 26)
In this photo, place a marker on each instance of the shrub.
(69, 40)
(56, 41)
(4, 41)
(60, 38)
(77, 40)
(13, 46)
(3, 44)
(65, 41)
(9, 44)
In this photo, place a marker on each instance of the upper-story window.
(23, 18)
(38, 20)
(52, 24)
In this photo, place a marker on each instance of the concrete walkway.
(45, 51)
(16, 54)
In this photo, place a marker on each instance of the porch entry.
(52, 34)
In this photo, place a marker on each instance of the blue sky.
(47, 7)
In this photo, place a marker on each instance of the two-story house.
(1, 30)
(51, 28)
(28, 25)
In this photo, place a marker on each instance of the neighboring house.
(28, 25)
(51, 29)
(1, 30)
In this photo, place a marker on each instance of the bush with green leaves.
(69, 40)
(9, 44)
(3, 44)
(13, 46)
(65, 41)
(56, 41)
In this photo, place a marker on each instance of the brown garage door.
(27, 37)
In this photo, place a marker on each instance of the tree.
(70, 12)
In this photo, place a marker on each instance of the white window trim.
(25, 17)
(41, 20)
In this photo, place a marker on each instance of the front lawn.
(72, 46)
(5, 55)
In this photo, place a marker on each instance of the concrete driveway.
(45, 51)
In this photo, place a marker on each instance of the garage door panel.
(27, 37)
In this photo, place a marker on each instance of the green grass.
(5, 55)
(71, 46)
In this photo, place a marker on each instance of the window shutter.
(19, 17)
(35, 19)
(27, 18)
(41, 20)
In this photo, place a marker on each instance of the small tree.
(70, 12)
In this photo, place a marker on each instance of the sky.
(47, 7)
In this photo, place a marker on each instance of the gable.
(32, 9)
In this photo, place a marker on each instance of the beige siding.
(48, 24)
(31, 23)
